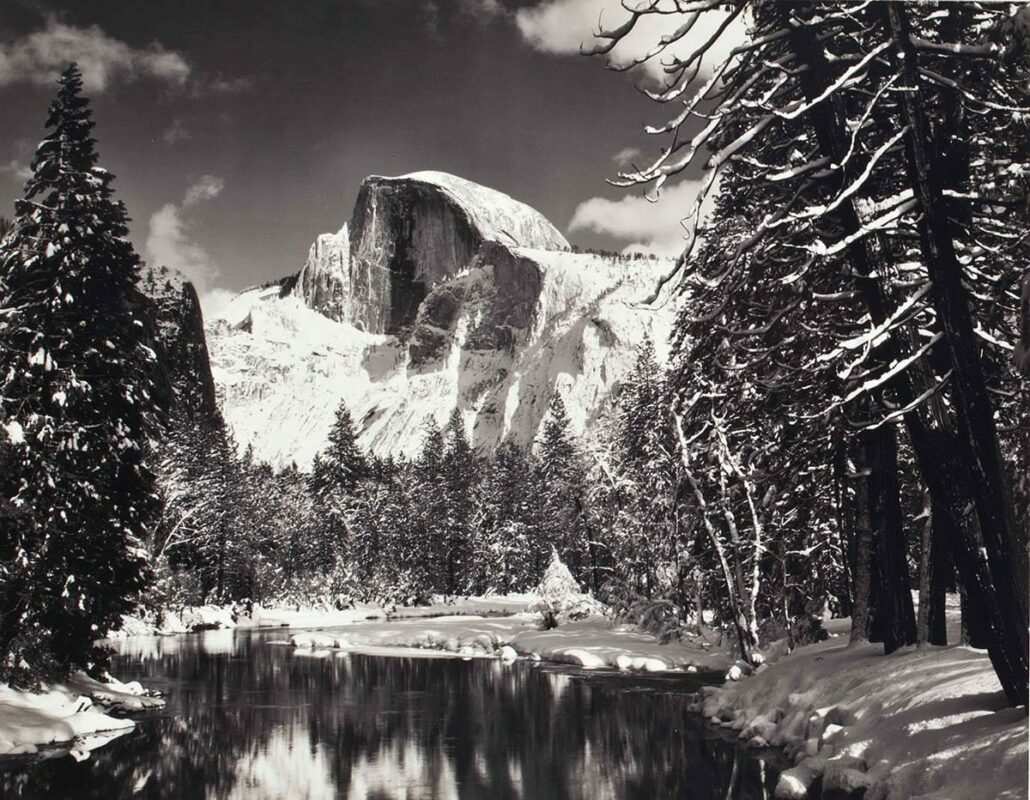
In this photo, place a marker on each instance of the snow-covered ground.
(928, 723)
(592, 643)
(63, 718)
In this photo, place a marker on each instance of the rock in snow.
(440, 294)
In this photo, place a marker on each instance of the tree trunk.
(978, 440)
(926, 555)
(942, 576)
(863, 601)
(895, 608)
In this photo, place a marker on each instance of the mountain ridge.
(414, 308)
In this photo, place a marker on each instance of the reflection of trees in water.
(381, 725)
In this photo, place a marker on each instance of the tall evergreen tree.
(460, 484)
(342, 464)
(75, 392)
(562, 481)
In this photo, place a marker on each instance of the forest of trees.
(844, 421)
(845, 375)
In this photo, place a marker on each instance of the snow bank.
(592, 643)
(208, 618)
(63, 716)
(919, 723)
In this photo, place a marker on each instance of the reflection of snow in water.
(399, 769)
(559, 683)
(288, 766)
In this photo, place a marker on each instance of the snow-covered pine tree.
(335, 473)
(342, 464)
(75, 393)
(461, 483)
(506, 540)
(562, 477)
(426, 531)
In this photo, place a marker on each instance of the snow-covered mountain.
(440, 293)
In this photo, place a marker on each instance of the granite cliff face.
(323, 283)
(445, 295)
(414, 231)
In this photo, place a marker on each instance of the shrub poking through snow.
(560, 596)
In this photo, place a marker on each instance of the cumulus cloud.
(567, 26)
(39, 58)
(170, 243)
(206, 187)
(645, 226)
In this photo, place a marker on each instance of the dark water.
(248, 719)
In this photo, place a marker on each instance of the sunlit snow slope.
(486, 310)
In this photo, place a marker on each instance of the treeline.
(369, 529)
(844, 395)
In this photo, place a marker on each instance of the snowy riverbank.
(591, 643)
(926, 723)
(67, 717)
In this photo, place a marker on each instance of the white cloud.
(39, 58)
(206, 187)
(16, 169)
(648, 227)
(170, 243)
(567, 26)
(626, 156)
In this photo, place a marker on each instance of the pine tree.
(427, 533)
(335, 474)
(342, 464)
(562, 482)
(75, 394)
(460, 483)
(505, 533)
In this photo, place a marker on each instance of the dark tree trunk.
(895, 610)
(863, 601)
(942, 572)
(978, 440)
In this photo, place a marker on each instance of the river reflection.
(250, 719)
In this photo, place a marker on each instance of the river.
(249, 718)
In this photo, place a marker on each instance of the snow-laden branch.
(821, 249)
(820, 210)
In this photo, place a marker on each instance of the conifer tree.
(335, 474)
(75, 394)
(562, 478)
(426, 545)
(342, 464)
(506, 534)
(460, 479)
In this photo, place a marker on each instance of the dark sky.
(291, 104)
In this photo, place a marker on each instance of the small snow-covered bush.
(560, 596)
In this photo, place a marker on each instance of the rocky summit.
(439, 293)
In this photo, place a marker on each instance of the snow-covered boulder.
(203, 618)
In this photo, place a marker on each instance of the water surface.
(249, 719)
